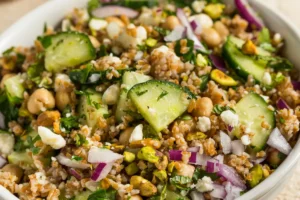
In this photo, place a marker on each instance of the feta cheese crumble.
(267, 79)
(245, 140)
(203, 124)
(137, 133)
(205, 184)
(48, 137)
(230, 118)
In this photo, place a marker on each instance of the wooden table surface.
(12, 10)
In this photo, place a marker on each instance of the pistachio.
(161, 175)
(132, 169)
(221, 78)
(214, 10)
(256, 176)
(128, 156)
(149, 154)
(146, 188)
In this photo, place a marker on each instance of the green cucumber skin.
(234, 57)
(164, 111)
(68, 59)
(250, 110)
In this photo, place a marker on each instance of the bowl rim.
(257, 191)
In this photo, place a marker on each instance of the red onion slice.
(219, 158)
(237, 147)
(101, 155)
(231, 175)
(178, 33)
(296, 85)
(281, 104)
(177, 156)
(101, 171)
(74, 173)
(108, 11)
(225, 142)
(277, 141)
(218, 62)
(185, 22)
(218, 192)
(232, 192)
(249, 14)
(2, 162)
(63, 160)
(196, 27)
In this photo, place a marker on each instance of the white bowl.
(25, 31)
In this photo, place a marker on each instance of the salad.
(153, 100)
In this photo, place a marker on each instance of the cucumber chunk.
(67, 50)
(171, 195)
(128, 81)
(243, 65)
(92, 108)
(256, 173)
(253, 111)
(159, 102)
(7, 142)
(23, 159)
(14, 89)
(83, 195)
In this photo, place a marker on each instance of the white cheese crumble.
(111, 95)
(230, 118)
(245, 140)
(48, 137)
(267, 79)
(198, 6)
(205, 184)
(97, 24)
(203, 124)
(266, 98)
(137, 133)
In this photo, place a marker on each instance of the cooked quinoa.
(146, 100)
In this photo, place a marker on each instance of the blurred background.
(12, 10)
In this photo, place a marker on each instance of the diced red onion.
(101, 171)
(281, 104)
(229, 128)
(178, 33)
(190, 34)
(231, 175)
(218, 192)
(102, 155)
(296, 85)
(195, 195)
(63, 160)
(74, 173)
(218, 62)
(108, 11)
(2, 121)
(237, 147)
(232, 192)
(249, 14)
(277, 141)
(225, 142)
(202, 159)
(3, 162)
(193, 149)
(177, 156)
(210, 167)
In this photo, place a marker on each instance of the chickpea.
(171, 22)
(204, 107)
(40, 101)
(125, 135)
(94, 41)
(14, 170)
(211, 37)
(221, 29)
(62, 99)
(4, 78)
(136, 197)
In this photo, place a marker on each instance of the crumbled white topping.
(48, 137)
(198, 6)
(230, 118)
(137, 133)
(138, 55)
(203, 124)
(245, 140)
(111, 95)
(267, 79)
(113, 30)
(277, 38)
(205, 184)
(165, 50)
(266, 98)
(97, 24)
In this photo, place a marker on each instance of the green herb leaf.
(102, 51)
(92, 5)
(200, 173)
(77, 158)
(162, 31)
(204, 82)
(69, 123)
(8, 51)
(80, 140)
(189, 55)
(46, 41)
(34, 72)
(181, 182)
(281, 120)
(264, 36)
(9, 110)
(218, 109)
(34, 150)
(164, 93)
(149, 132)
(267, 47)
(80, 75)
(102, 194)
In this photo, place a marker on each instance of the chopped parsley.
(161, 31)
(188, 54)
(140, 93)
(102, 194)
(204, 81)
(69, 123)
(218, 109)
(80, 140)
(200, 173)
(181, 182)
(77, 158)
(281, 120)
(35, 150)
(162, 94)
